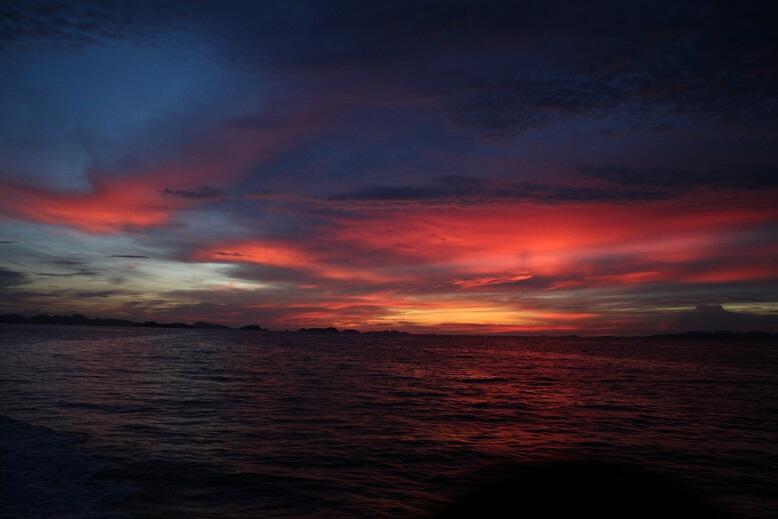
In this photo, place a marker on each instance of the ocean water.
(124, 422)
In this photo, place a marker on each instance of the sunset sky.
(477, 167)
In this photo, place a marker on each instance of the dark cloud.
(9, 278)
(351, 91)
(659, 128)
(280, 276)
(466, 190)
(201, 193)
(87, 294)
(68, 262)
(523, 65)
(505, 109)
(669, 178)
(693, 59)
(256, 123)
(57, 295)
(341, 34)
(6, 242)
(68, 274)
(73, 24)
(713, 317)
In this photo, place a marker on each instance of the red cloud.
(108, 207)
(128, 199)
(454, 268)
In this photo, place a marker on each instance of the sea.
(142, 422)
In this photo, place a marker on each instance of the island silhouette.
(82, 320)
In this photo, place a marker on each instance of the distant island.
(78, 319)
(82, 320)
(253, 328)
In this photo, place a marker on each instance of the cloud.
(465, 190)
(503, 109)
(280, 259)
(506, 109)
(88, 294)
(110, 206)
(9, 278)
(427, 243)
(523, 66)
(68, 262)
(747, 178)
(196, 194)
(73, 25)
(310, 98)
(691, 61)
(68, 274)
(520, 66)
(58, 298)
(129, 199)
(604, 184)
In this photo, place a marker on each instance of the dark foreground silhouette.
(576, 489)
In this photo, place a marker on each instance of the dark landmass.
(253, 328)
(65, 319)
(210, 326)
(78, 319)
(319, 330)
(82, 320)
(153, 324)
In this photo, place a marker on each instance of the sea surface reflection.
(154, 422)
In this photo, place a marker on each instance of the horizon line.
(77, 319)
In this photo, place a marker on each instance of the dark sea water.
(123, 422)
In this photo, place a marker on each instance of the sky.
(452, 167)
